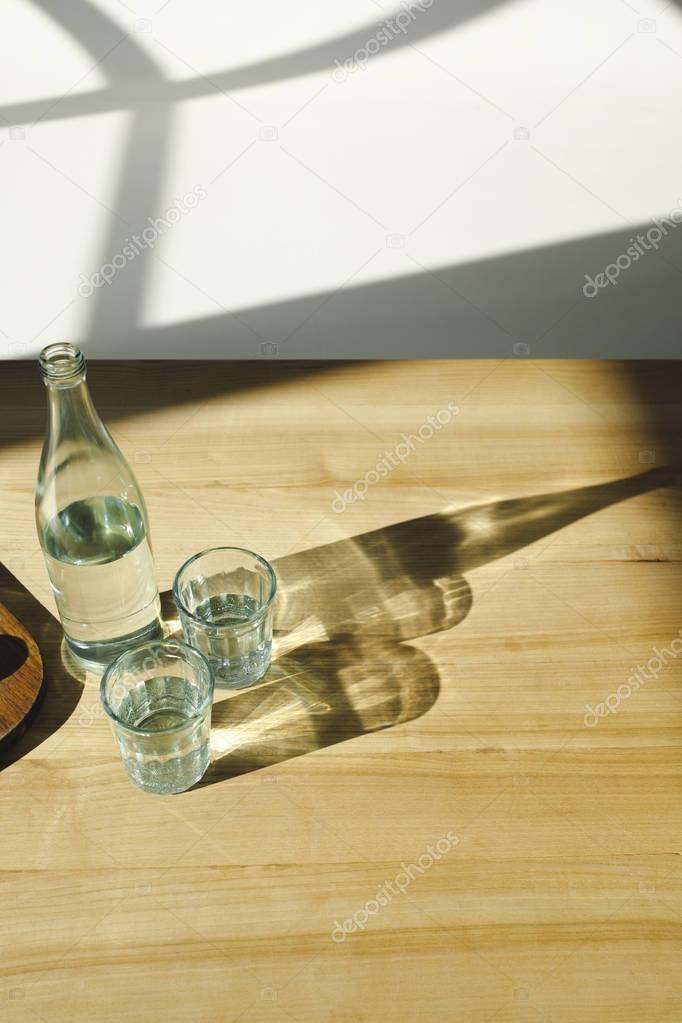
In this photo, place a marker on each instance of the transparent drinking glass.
(158, 697)
(224, 597)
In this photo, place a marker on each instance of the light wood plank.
(438, 678)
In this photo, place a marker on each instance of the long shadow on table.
(346, 613)
(347, 610)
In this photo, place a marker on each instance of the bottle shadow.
(347, 610)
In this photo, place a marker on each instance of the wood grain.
(438, 643)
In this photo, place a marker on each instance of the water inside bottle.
(102, 575)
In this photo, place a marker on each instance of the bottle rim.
(61, 361)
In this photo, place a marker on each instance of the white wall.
(448, 198)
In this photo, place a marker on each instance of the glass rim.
(185, 649)
(259, 613)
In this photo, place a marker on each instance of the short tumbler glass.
(158, 697)
(224, 597)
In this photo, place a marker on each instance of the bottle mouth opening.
(61, 361)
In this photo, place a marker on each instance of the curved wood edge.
(20, 691)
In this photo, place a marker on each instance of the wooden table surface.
(416, 817)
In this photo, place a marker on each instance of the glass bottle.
(92, 522)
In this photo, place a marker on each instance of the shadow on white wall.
(334, 278)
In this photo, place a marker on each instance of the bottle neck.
(70, 409)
